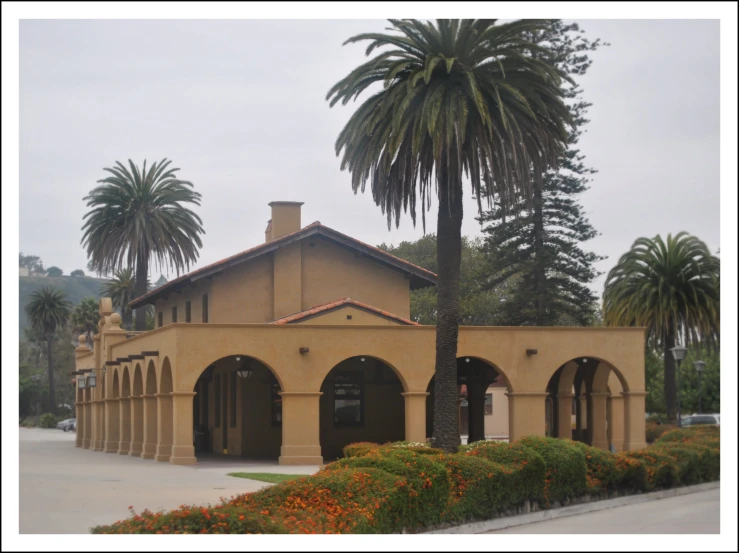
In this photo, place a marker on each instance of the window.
(232, 400)
(218, 400)
(488, 404)
(161, 319)
(205, 308)
(187, 311)
(276, 404)
(348, 396)
(174, 314)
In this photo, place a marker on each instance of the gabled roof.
(419, 276)
(338, 304)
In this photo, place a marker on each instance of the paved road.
(67, 490)
(695, 513)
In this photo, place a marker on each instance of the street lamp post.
(699, 366)
(678, 353)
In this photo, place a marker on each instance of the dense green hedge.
(399, 487)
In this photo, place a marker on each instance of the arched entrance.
(361, 401)
(583, 405)
(483, 405)
(237, 409)
(124, 445)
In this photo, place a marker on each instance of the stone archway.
(112, 418)
(150, 413)
(137, 412)
(124, 445)
(362, 401)
(165, 419)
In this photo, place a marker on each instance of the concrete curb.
(540, 516)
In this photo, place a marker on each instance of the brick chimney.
(285, 219)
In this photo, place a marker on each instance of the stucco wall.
(331, 272)
(193, 294)
(497, 423)
(243, 294)
(339, 317)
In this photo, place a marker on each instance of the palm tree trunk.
(142, 273)
(670, 385)
(539, 264)
(50, 374)
(127, 318)
(448, 255)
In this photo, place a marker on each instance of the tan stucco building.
(298, 346)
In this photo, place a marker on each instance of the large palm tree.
(139, 215)
(457, 98)
(48, 310)
(672, 289)
(121, 289)
(85, 318)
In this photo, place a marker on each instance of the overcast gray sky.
(240, 107)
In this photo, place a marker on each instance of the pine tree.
(536, 252)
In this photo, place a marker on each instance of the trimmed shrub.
(662, 471)
(426, 477)
(480, 489)
(566, 469)
(632, 473)
(191, 519)
(602, 474)
(418, 447)
(48, 420)
(464, 448)
(708, 435)
(529, 466)
(688, 461)
(653, 431)
(359, 501)
(359, 449)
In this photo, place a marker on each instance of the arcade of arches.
(301, 393)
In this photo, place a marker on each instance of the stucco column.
(616, 422)
(87, 436)
(149, 449)
(112, 426)
(564, 415)
(137, 426)
(99, 408)
(634, 410)
(183, 452)
(415, 416)
(597, 422)
(164, 427)
(301, 442)
(79, 415)
(526, 414)
(124, 445)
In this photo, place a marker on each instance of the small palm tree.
(458, 98)
(85, 318)
(121, 289)
(139, 215)
(48, 310)
(672, 289)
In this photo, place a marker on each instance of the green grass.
(265, 476)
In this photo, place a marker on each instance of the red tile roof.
(337, 304)
(420, 277)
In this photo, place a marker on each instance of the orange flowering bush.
(653, 430)
(566, 470)
(662, 471)
(480, 489)
(602, 474)
(631, 473)
(391, 488)
(528, 476)
(426, 478)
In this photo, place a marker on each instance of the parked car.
(695, 420)
(67, 425)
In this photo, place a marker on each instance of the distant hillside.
(76, 288)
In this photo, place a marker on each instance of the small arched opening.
(361, 401)
(483, 404)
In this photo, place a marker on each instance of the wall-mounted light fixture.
(466, 359)
(244, 373)
(303, 351)
(361, 359)
(531, 351)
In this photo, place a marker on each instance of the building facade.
(294, 348)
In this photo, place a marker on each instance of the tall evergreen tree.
(536, 251)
